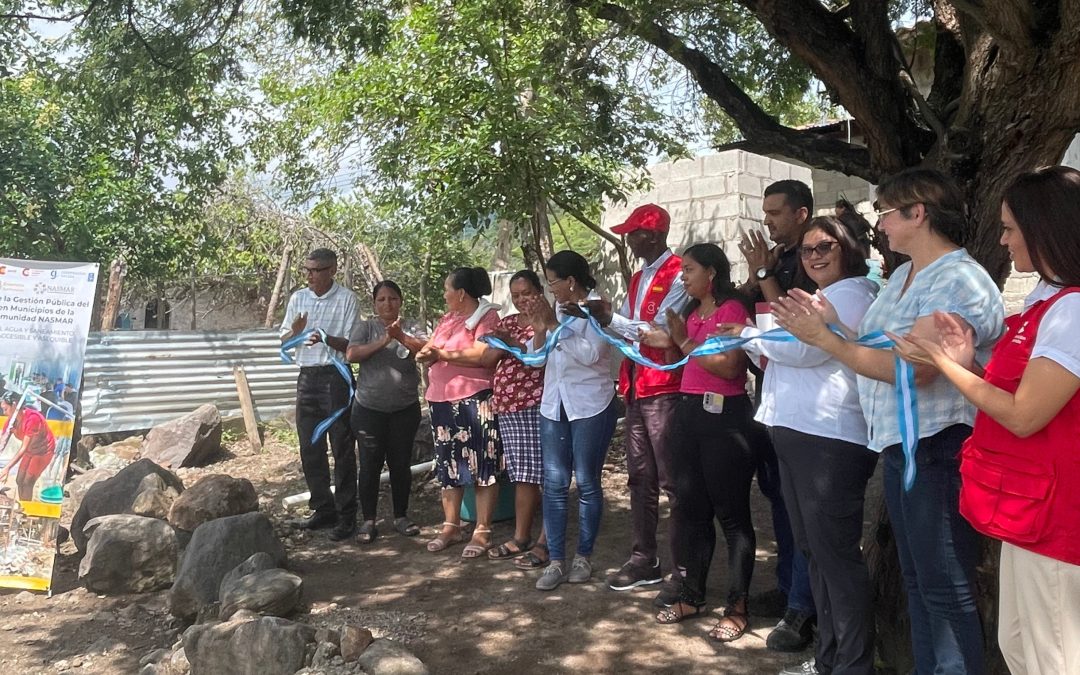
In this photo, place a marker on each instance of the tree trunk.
(279, 283)
(117, 271)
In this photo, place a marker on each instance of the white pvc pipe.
(416, 469)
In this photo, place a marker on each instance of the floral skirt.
(468, 450)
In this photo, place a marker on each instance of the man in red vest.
(650, 394)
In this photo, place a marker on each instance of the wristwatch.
(763, 273)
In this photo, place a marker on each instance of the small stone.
(62, 664)
(328, 635)
(354, 640)
(324, 652)
(24, 596)
(153, 657)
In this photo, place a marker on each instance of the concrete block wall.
(829, 186)
(712, 198)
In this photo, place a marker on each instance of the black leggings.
(385, 437)
(713, 465)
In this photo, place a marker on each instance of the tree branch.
(857, 66)
(620, 247)
(755, 124)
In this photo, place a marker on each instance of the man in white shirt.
(321, 391)
(650, 394)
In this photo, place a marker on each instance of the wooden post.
(279, 283)
(247, 407)
(117, 271)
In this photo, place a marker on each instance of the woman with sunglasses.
(810, 404)
(921, 211)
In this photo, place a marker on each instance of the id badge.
(713, 403)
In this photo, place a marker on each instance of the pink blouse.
(449, 381)
(697, 380)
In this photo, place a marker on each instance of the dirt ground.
(458, 616)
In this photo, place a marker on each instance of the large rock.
(264, 646)
(76, 489)
(116, 455)
(386, 657)
(116, 495)
(216, 547)
(270, 592)
(191, 440)
(128, 554)
(255, 563)
(214, 496)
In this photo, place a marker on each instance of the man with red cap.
(650, 394)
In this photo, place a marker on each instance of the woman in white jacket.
(810, 403)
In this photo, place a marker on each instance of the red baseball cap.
(646, 217)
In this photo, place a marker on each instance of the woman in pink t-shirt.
(468, 451)
(713, 462)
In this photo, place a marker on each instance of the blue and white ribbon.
(907, 410)
(534, 359)
(342, 368)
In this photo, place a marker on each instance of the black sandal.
(503, 550)
(406, 527)
(722, 633)
(676, 613)
(367, 532)
(531, 561)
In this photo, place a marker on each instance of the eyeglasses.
(879, 212)
(314, 270)
(821, 249)
(551, 283)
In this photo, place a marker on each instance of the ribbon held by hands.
(907, 404)
(342, 368)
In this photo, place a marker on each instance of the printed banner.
(45, 312)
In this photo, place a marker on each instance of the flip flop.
(439, 543)
(531, 561)
(503, 550)
(471, 550)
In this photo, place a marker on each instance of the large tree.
(1005, 94)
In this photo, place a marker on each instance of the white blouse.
(578, 373)
(807, 390)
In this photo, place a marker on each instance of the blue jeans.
(938, 552)
(577, 447)
(792, 569)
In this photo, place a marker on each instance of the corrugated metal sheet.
(137, 379)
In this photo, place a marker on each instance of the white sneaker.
(580, 571)
(552, 577)
(804, 668)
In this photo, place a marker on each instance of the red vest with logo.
(1025, 491)
(650, 381)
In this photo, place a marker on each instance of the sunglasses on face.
(821, 249)
(314, 270)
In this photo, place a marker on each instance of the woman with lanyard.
(577, 416)
(714, 461)
(810, 404)
(1021, 466)
(467, 447)
(922, 213)
(386, 409)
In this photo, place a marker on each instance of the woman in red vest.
(38, 444)
(1021, 466)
